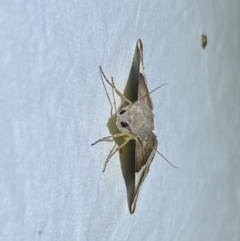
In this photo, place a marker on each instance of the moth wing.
(143, 93)
(144, 154)
(144, 149)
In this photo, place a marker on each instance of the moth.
(204, 40)
(135, 121)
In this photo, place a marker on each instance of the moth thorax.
(137, 119)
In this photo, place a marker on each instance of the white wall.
(53, 106)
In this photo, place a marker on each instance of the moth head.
(123, 120)
(135, 119)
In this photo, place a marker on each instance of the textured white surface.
(53, 106)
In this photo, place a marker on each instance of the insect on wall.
(135, 122)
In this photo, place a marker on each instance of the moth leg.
(114, 87)
(109, 100)
(114, 100)
(112, 152)
(113, 148)
(108, 137)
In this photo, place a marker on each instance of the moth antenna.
(151, 92)
(160, 154)
(165, 158)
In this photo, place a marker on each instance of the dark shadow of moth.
(134, 119)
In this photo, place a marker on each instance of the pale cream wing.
(144, 149)
(144, 154)
(143, 93)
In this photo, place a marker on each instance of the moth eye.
(124, 124)
(122, 112)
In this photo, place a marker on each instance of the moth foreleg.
(102, 139)
(108, 138)
(114, 100)
(114, 87)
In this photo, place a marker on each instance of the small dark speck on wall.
(204, 41)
